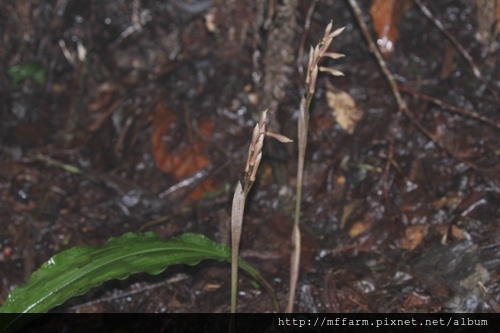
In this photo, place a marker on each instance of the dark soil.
(393, 220)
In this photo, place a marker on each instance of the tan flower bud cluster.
(318, 52)
(255, 150)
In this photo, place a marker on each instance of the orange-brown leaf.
(414, 235)
(162, 120)
(183, 155)
(386, 16)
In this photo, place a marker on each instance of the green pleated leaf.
(74, 271)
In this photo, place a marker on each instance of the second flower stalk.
(238, 207)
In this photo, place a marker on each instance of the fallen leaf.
(344, 108)
(386, 16)
(175, 153)
(456, 232)
(348, 210)
(449, 64)
(211, 286)
(162, 121)
(358, 228)
(415, 300)
(488, 18)
(414, 235)
(459, 233)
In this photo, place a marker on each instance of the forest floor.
(137, 115)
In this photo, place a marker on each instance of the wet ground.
(137, 115)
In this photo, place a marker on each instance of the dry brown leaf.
(180, 158)
(456, 232)
(416, 300)
(449, 64)
(488, 18)
(386, 16)
(161, 123)
(414, 235)
(359, 227)
(348, 211)
(344, 108)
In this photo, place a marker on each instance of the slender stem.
(234, 279)
(302, 144)
(303, 125)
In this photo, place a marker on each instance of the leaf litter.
(417, 206)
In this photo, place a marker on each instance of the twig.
(387, 169)
(122, 294)
(451, 108)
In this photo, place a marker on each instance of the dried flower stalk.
(315, 56)
(252, 165)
